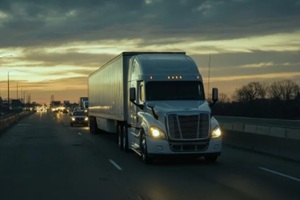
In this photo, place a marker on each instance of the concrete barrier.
(293, 134)
(270, 138)
(269, 128)
(12, 119)
(275, 146)
(250, 128)
(227, 126)
(238, 127)
(278, 132)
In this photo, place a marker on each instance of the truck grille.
(188, 127)
(188, 146)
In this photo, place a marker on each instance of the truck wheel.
(92, 125)
(144, 152)
(125, 138)
(120, 136)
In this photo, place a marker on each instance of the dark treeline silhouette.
(263, 108)
(279, 100)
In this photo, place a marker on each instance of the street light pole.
(8, 78)
(8, 91)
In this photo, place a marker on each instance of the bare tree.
(289, 89)
(283, 90)
(273, 91)
(250, 92)
(223, 98)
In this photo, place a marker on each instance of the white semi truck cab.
(165, 111)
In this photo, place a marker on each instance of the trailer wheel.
(120, 136)
(143, 147)
(92, 125)
(125, 138)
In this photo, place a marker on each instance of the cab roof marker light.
(174, 77)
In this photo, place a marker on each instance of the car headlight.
(156, 132)
(86, 119)
(216, 132)
(73, 118)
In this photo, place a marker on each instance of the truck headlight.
(216, 132)
(86, 119)
(156, 132)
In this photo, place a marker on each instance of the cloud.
(55, 43)
(36, 23)
(258, 65)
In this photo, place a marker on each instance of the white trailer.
(155, 103)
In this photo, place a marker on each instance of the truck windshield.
(179, 90)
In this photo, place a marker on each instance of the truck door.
(133, 116)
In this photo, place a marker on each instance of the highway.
(42, 157)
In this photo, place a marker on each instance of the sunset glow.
(56, 58)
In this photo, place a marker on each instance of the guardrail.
(275, 137)
(9, 120)
(289, 129)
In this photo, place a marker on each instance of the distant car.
(78, 117)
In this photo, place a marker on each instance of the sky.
(49, 48)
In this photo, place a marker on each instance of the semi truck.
(155, 104)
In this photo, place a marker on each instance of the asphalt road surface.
(42, 157)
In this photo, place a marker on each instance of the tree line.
(280, 99)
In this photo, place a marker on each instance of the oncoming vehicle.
(78, 117)
(155, 103)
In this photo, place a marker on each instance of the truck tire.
(125, 138)
(143, 146)
(120, 136)
(92, 125)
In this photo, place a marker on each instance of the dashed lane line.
(115, 164)
(23, 124)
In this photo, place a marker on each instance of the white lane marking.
(115, 164)
(79, 133)
(23, 124)
(280, 174)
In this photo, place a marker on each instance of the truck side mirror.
(215, 96)
(132, 97)
(132, 94)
